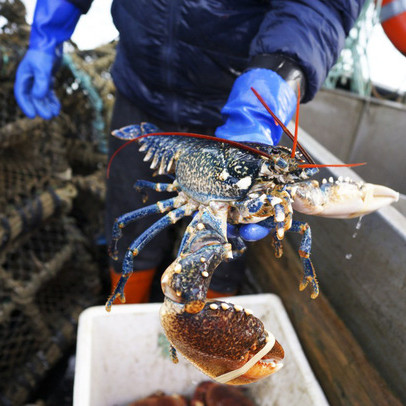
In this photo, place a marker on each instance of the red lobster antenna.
(311, 163)
(284, 128)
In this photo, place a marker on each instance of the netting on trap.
(51, 208)
(35, 330)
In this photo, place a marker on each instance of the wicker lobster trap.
(51, 208)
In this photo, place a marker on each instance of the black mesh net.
(51, 208)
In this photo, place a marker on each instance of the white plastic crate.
(123, 356)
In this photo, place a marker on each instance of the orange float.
(393, 20)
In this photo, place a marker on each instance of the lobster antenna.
(292, 155)
(284, 128)
(311, 163)
(115, 153)
(191, 135)
(239, 145)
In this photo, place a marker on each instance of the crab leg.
(138, 244)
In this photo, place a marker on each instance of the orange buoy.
(393, 20)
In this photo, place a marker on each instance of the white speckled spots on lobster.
(213, 172)
(204, 169)
(245, 182)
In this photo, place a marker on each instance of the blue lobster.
(222, 183)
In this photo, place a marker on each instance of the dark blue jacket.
(178, 59)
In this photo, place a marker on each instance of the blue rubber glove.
(253, 232)
(247, 120)
(54, 23)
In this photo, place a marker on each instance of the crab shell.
(221, 338)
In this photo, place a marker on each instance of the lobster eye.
(281, 163)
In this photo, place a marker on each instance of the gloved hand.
(248, 232)
(54, 22)
(247, 120)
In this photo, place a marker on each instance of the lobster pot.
(44, 287)
(51, 209)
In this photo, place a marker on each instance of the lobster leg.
(159, 187)
(125, 219)
(304, 250)
(258, 207)
(277, 243)
(270, 224)
(304, 253)
(237, 243)
(283, 213)
(281, 220)
(238, 246)
(138, 244)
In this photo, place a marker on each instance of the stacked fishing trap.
(51, 209)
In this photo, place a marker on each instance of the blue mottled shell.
(205, 170)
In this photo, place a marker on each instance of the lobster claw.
(341, 199)
(223, 340)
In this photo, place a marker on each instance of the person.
(188, 65)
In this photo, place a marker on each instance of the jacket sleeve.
(311, 32)
(82, 5)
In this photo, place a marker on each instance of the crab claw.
(224, 341)
(341, 199)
